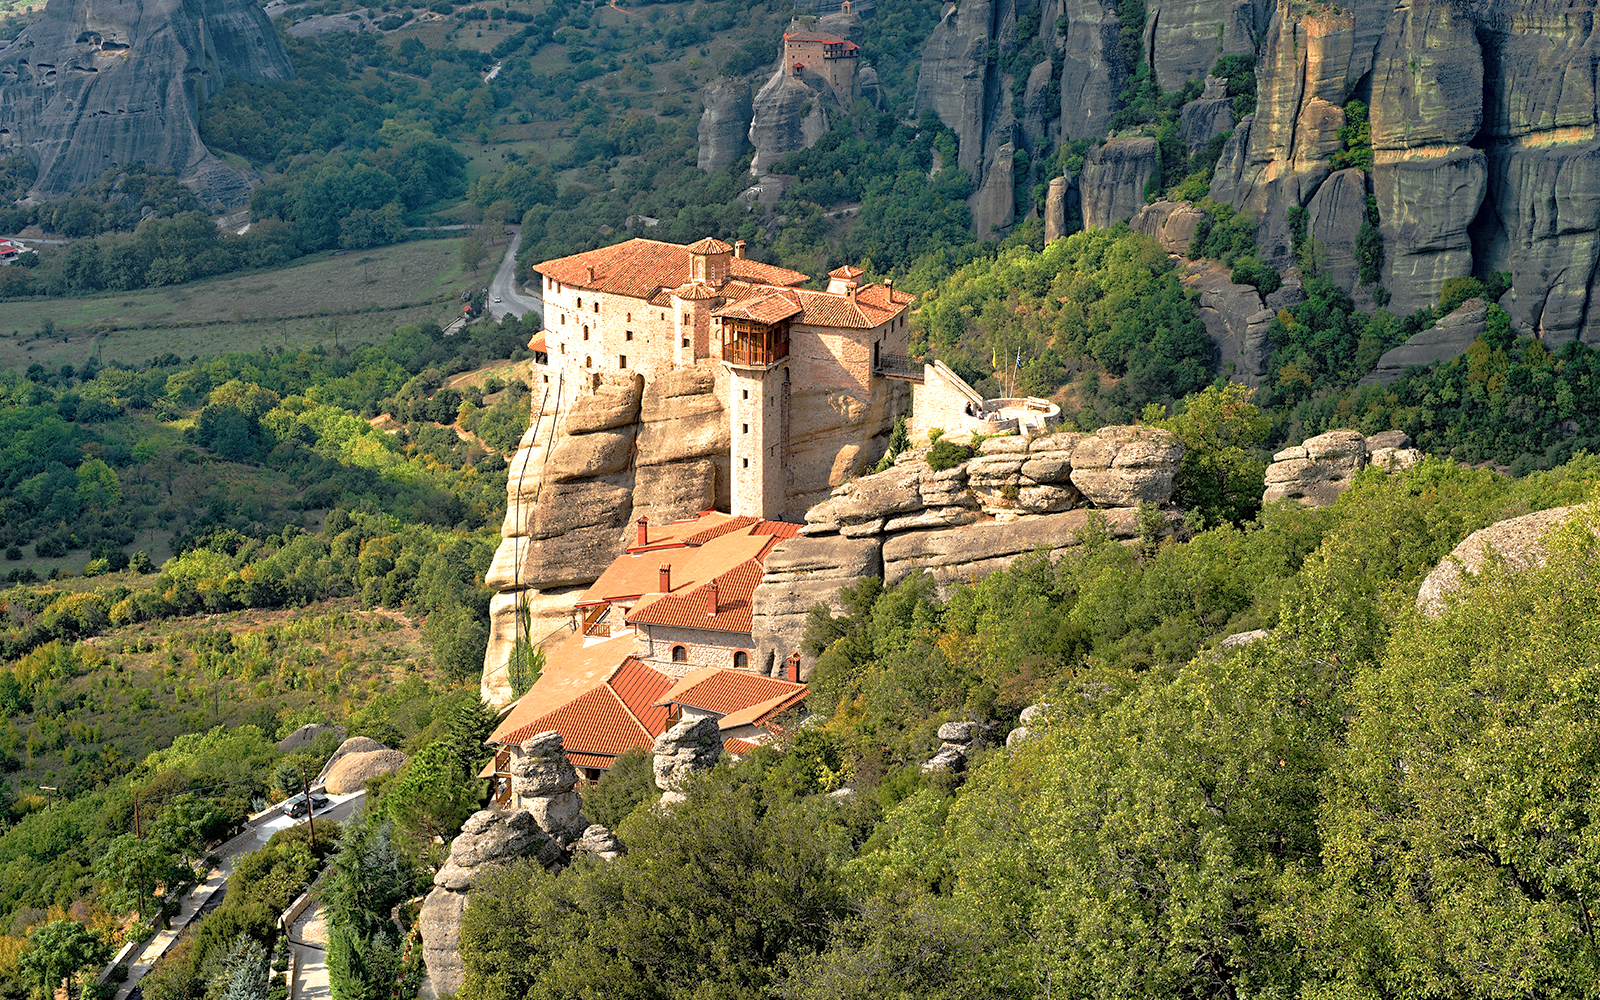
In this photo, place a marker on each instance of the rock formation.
(1171, 223)
(958, 741)
(1030, 721)
(488, 838)
(358, 759)
(1115, 178)
(790, 113)
(584, 472)
(1320, 468)
(725, 123)
(1236, 319)
(546, 825)
(1014, 497)
(99, 84)
(1055, 208)
(306, 735)
(599, 842)
(1447, 338)
(1517, 541)
(691, 746)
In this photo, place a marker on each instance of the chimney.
(850, 290)
(590, 270)
(644, 531)
(738, 249)
(792, 667)
(711, 599)
(665, 584)
(888, 286)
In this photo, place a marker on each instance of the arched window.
(588, 362)
(741, 659)
(680, 654)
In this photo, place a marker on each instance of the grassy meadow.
(357, 297)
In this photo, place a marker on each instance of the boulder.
(725, 123)
(690, 746)
(1235, 319)
(1517, 541)
(950, 759)
(1448, 338)
(354, 770)
(960, 732)
(600, 842)
(545, 783)
(1170, 223)
(1316, 471)
(306, 735)
(1244, 638)
(353, 745)
(1126, 466)
(1036, 714)
(893, 491)
(1018, 735)
(1115, 177)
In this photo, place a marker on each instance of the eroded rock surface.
(1517, 541)
(98, 84)
(691, 746)
(1449, 337)
(725, 123)
(1320, 468)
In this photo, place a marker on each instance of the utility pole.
(311, 819)
(136, 818)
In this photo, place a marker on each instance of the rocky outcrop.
(1092, 73)
(1204, 120)
(599, 842)
(583, 473)
(488, 838)
(691, 746)
(1115, 178)
(1518, 542)
(725, 123)
(790, 113)
(1032, 720)
(545, 823)
(1235, 318)
(306, 735)
(1335, 216)
(1017, 495)
(994, 210)
(357, 759)
(98, 84)
(1055, 208)
(545, 783)
(1320, 468)
(1171, 223)
(1449, 337)
(958, 741)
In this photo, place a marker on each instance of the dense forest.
(203, 555)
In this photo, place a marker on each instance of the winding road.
(504, 285)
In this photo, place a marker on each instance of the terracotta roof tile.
(771, 307)
(687, 608)
(604, 720)
(723, 691)
(763, 712)
(595, 760)
(643, 268)
(737, 746)
(847, 271)
(709, 245)
(568, 674)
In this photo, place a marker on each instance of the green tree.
(473, 252)
(56, 953)
(1221, 471)
(134, 873)
(243, 975)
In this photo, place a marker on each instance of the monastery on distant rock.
(797, 370)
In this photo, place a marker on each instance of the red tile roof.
(709, 245)
(848, 271)
(642, 268)
(873, 305)
(725, 692)
(738, 746)
(687, 608)
(608, 717)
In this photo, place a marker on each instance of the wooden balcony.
(748, 344)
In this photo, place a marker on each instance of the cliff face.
(1483, 123)
(105, 83)
(724, 123)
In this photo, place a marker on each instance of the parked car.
(296, 807)
(497, 300)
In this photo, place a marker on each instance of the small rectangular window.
(597, 307)
(747, 463)
(628, 335)
(747, 394)
(746, 428)
(622, 361)
(686, 342)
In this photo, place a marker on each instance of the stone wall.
(704, 648)
(1016, 496)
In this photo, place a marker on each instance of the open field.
(352, 298)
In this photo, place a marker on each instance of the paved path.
(504, 285)
(309, 939)
(196, 902)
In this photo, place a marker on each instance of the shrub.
(947, 455)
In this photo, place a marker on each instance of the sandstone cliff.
(724, 124)
(99, 84)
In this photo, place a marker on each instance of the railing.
(898, 366)
(595, 623)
